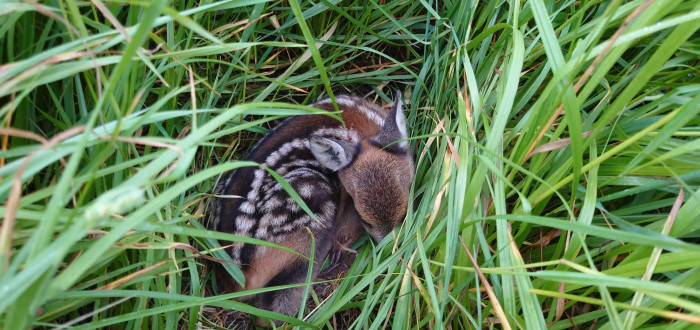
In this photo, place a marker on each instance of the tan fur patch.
(272, 260)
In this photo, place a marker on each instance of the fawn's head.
(376, 172)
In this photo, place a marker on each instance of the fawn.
(354, 178)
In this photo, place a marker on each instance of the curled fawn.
(354, 178)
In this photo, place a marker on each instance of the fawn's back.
(353, 178)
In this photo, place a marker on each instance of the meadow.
(556, 148)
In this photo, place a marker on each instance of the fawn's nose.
(378, 234)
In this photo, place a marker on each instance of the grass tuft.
(556, 146)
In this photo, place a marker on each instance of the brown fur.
(347, 221)
(267, 265)
(370, 193)
(373, 180)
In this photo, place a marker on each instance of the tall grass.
(556, 145)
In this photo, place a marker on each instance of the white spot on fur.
(306, 190)
(284, 150)
(292, 205)
(261, 233)
(301, 221)
(260, 250)
(352, 103)
(270, 220)
(271, 204)
(236, 253)
(346, 101)
(255, 186)
(288, 227)
(371, 115)
(244, 223)
(247, 207)
(297, 173)
(340, 100)
(339, 133)
(328, 209)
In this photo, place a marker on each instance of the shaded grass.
(557, 140)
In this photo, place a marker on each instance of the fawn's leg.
(348, 227)
(288, 301)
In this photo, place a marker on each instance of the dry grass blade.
(113, 20)
(674, 212)
(86, 316)
(11, 206)
(9, 131)
(144, 142)
(174, 246)
(582, 80)
(193, 86)
(497, 309)
(416, 280)
(121, 281)
(193, 97)
(452, 150)
(666, 314)
(39, 8)
(656, 254)
(554, 145)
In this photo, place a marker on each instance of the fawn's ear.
(394, 129)
(332, 153)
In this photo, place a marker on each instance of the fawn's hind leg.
(288, 301)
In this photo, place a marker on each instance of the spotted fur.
(336, 170)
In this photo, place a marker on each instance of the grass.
(555, 141)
